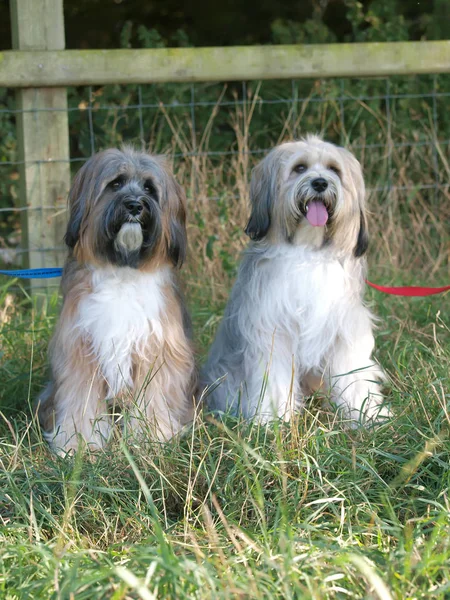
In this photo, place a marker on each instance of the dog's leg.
(271, 387)
(74, 405)
(152, 417)
(355, 381)
(162, 400)
(160, 406)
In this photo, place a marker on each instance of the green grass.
(305, 510)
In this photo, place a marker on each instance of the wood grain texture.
(43, 139)
(99, 67)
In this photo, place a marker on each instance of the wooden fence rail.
(235, 63)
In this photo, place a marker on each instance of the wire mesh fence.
(398, 127)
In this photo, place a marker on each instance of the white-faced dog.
(295, 322)
(123, 334)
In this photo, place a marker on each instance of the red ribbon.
(409, 290)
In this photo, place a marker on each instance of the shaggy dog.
(295, 321)
(123, 334)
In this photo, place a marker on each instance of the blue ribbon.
(34, 273)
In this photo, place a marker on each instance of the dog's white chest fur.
(119, 316)
(308, 297)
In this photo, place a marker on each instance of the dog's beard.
(126, 240)
(129, 238)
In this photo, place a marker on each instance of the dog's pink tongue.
(317, 214)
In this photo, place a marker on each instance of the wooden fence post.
(43, 141)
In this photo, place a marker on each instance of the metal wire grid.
(242, 101)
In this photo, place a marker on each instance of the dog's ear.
(78, 200)
(359, 194)
(262, 194)
(73, 231)
(362, 242)
(177, 241)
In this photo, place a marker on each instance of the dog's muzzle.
(315, 202)
(319, 185)
(134, 206)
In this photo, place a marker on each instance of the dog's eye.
(335, 170)
(117, 183)
(301, 168)
(149, 188)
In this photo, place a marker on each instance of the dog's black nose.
(133, 206)
(320, 184)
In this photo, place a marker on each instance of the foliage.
(312, 31)
(438, 24)
(99, 23)
(381, 22)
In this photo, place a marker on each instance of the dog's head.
(306, 184)
(126, 209)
